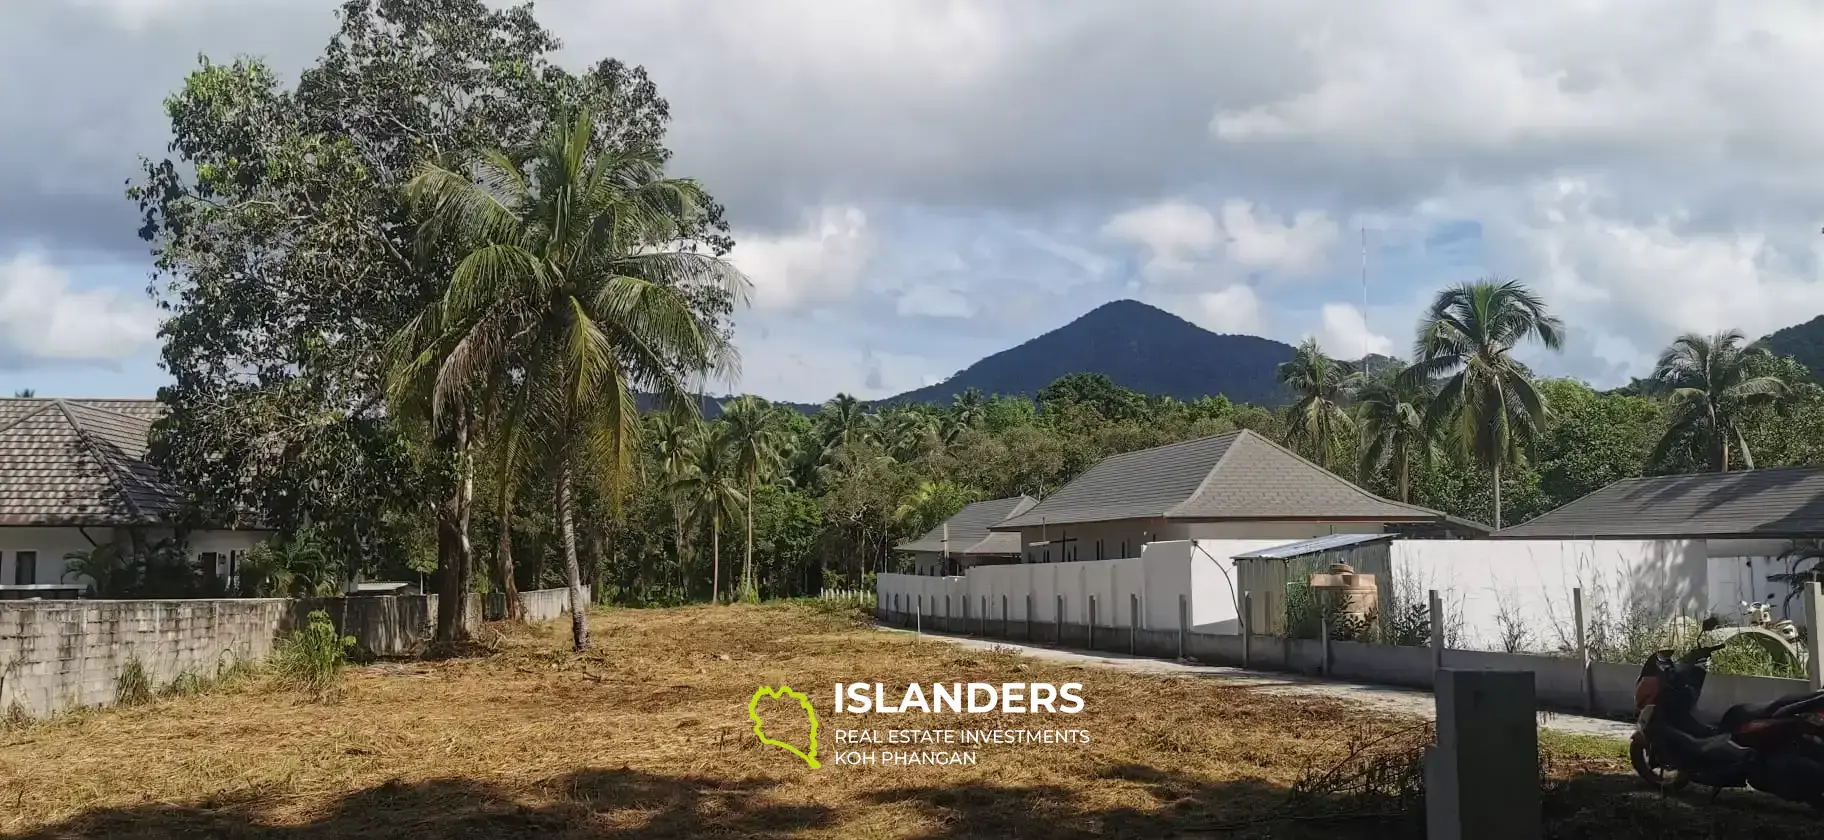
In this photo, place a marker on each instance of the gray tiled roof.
(1240, 475)
(969, 532)
(79, 462)
(1782, 502)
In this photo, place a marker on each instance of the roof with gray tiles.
(1237, 476)
(79, 462)
(1785, 502)
(969, 532)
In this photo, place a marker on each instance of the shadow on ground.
(632, 804)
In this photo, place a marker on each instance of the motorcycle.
(1775, 747)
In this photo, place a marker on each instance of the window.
(25, 567)
(1099, 550)
(1048, 555)
(234, 570)
(1124, 549)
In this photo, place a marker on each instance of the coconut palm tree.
(670, 437)
(714, 490)
(1390, 414)
(756, 433)
(969, 408)
(1315, 422)
(104, 565)
(843, 420)
(571, 294)
(1486, 399)
(1711, 385)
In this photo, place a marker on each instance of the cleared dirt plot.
(648, 736)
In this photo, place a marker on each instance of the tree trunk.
(677, 518)
(1722, 455)
(715, 560)
(503, 560)
(573, 571)
(747, 566)
(1402, 475)
(1497, 495)
(455, 555)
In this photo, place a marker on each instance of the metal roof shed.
(1266, 573)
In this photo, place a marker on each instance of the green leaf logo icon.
(753, 714)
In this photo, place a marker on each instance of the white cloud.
(1182, 239)
(1344, 333)
(43, 321)
(809, 362)
(821, 262)
(1173, 233)
(1235, 310)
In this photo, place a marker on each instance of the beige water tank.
(1346, 590)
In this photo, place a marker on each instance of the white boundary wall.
(1489, 583)
(1201, 570)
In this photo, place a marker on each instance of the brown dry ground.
(646, 736)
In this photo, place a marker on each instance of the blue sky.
(915, 185)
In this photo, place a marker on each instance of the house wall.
(1125, 537)
(1164, 571)
(1739, 571)
(51, 544)
(1491, 584)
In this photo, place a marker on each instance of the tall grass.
(311, 660)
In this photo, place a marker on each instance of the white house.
(964, 540)
(74, 476)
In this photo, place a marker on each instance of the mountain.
(1138, 346)
(1804, 342)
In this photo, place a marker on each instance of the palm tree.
(969, 408)
(1711, 384)
(670, 435)
(714, 491)
(1315, 422)
(570, 296)
(1487, 399)
(844, 421)
(754, 431)
(104, 565)
(1390, 412)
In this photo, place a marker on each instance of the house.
(1239, 485)
(1751, 523)
(74, 476)
(964, 540)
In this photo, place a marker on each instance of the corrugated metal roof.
(1317, 545)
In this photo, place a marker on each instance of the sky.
(915, 184)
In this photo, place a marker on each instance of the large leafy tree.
(1712, 384)
(285, 258)
(568, 299)
(1486, 399)
(1316, 421)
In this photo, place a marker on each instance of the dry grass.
(647, 736)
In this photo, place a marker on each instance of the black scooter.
(1776, 747)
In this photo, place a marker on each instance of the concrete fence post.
(1436, 609)
(1133, 623)
(1814, 634)
(1323, 646)
(918, 623)
(1058, 636)
(1006, 631)
(1580, 624)
(1184, 619)
(1029, 637)
(1247, 629)
(1482, 776)
(1092, 622)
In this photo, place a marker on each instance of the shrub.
(312, 658)
(133, 687)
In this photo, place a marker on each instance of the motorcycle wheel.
(1644, 767)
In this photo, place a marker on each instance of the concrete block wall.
(539, 604)
(58, 655)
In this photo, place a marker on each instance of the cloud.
(44, 322)
(1180, 238)
(934, 302)
(819, 263)
(1235, 310)
(1344, 333)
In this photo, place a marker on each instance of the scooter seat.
(1716, 751)
(1741, 713)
